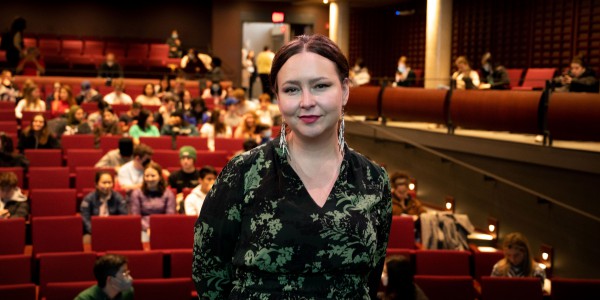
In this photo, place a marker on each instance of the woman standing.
(303, 216)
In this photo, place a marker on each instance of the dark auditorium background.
(519, 33)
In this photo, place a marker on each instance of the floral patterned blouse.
(261, 236)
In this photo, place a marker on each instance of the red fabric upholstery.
(519, 288)
(158, 143)
(402, 233)
(446, 287)
(172, 231)
(49, 178)
(44, 157)
(66, 267)
(18, 171)
(217, 159)
(166, 158)
(197, 142)
(18, 291)
(82, 158)
(143, 264)
(15, 269)
(12, 235)
(57, 234)
(228, 144)
(53, 202)
(116, 233)
(443, 262)
(483, 262)
(160, 289)
(78, 141)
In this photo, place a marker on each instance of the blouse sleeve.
(170, 202)
(216, 234)
(383, 215)
(135, 202)
(122, 209)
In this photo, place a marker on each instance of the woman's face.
(515, 254)
(63, 94)
(80, 115)
(150, 120)
(250, 121)
(311, 95)
(38, 123)
(148, 90)
(104, 184)
(107, 117)
(35, 94)
(151, 177)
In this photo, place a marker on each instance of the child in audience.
(153, 198)
(103, 201)
(13, 204)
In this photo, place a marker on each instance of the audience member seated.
(185, 103)
(88, 94)
(117, 157)
(194, 201)
(402, 202)
(397, 279)
(405, 76)
(264, 112)
(247, 128)
(118, 95)
(492, 76)
(176, 125)
(8, 157)
(153, 197)
(174, 43)
(580, 78)
(110, 68)
(37, 136)
(232, 118)
(144, 127)
(8, 91)
(103, 201)
(167, 108)
(113, 280)
(53, 94)
(215, 93)
(464, 78)
(148, 96)
(247, 145)
(76, 122)
(13, 204)
(32, 64)
(199, 113)
(130, 117)
(243, 105)
(517, 261)
(187, 176)
(192, 66)
(359, 74)
(131, 175)
(108, 125)
(31, 102)
(215, 127)
(61, 106)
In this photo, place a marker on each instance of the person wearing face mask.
(517, 261)
(110, 68)
(103, 201)
(174, 43)
(113, 277)
(492, 76)
(37, 136)
(152, 198)
(405, 76)
(131, 174)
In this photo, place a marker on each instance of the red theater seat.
(12, 235)
(49, 178)
(483, 262)
(44, 157)
(116, 233)
(402, 233)
(66, 267)
(143, 264)
(172, 231)
(229, 144)
(82, 158)
(18, 172)
(78, 141)
(443, 262)
(160, 289)
(515, 288)
(15, 269)
(446, 287)
(197, 142)
(158, 143)
(57, 234)
(166, 158)
(25, 291)
(53, 202)
(535, 78)
(217, 159)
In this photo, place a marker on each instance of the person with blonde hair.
(464, 78)
(517, 261)
(31, 101)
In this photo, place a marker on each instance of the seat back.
(443, 262)
(56, 234)
(514, 75)
(66, 267)
(49, 178)
(158, 142)
(44, 157)
(109, 142)
(229, 144)
(572, 288)
(536, 78)
(85, 179)
(402, 233)
(78, 141)
(181, 263)
(166, 158)
(26, 291)
(12, 234)
(446, 287)
(143, 264)
(15, 269)
(515, 288)
(483, 262)
(116, 233)
(217, 159)
(197, 142)
(172, 231)
(18, 172)
(159, 289)
(53, 202)
(82, 158)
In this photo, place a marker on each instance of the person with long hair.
(31, 101)
(37, 136)
(76, 122)
(247, 128)
(397, 278)
(215, 127)
(103, 201)
(517, 261)
(144, 127)
(153, 197)
(303, 216)
(64, 102)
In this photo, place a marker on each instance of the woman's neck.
(314, 150)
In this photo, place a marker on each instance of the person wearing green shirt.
(144, 127)
(114, 280)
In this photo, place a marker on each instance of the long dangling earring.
(341, 140)
(283, 141)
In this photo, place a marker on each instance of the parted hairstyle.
(517, 239)
(108, 265)
(8, 179)
(318, 44)
(162, 184)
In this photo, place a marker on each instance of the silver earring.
(283, 141)
(341, 141)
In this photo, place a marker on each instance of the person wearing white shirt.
(194, 201)
(118, 96)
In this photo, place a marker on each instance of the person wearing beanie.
(117, 157)
(187, 176)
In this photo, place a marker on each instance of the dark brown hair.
(318, 44)
(44, 132)
(108, 265)
(162, 185)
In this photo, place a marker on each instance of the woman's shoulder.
(257, 155)
(360, 161)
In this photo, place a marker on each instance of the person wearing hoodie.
(194, 201)
(13, 203)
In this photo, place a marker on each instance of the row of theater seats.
(79, 52)
(60, 265)
(564, 116)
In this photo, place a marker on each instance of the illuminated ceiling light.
(325, 1)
